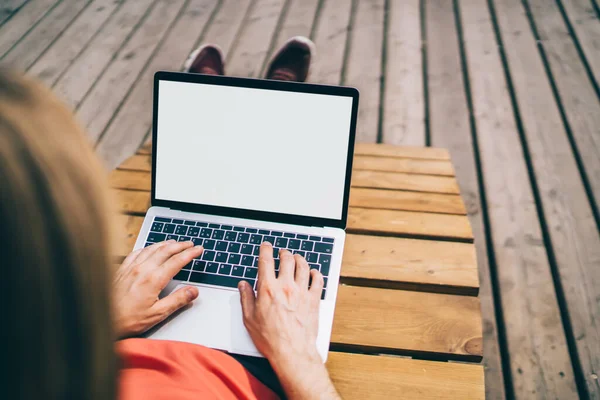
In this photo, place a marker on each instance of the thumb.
(247, 299)
(176, 300)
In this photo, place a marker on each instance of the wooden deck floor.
(510, 87)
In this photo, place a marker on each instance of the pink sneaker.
(207, 59)
(292, 60)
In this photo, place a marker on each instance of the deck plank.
(407, 201)
(73, 86)
(135, 114)
(226, 24)
(386, 150)
(50, 66)
(364, 66)
(411, 322)
(9, 8)
(22, 22)
(331, 33)
(247, 57)
(404, 108)
(450, 128)
(358, 376)
(577, 95)
(40, 37)
(572, 230)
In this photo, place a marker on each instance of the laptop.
(236, 162)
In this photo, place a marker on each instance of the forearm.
(305, 380)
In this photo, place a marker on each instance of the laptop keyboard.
(231, 252)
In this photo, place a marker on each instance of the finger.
(266, 264)
(174, 264)
(316, 284)
(247, 299)
(173, 302)
(287, 266)
(150, 250)
(167, 251)
(302, 272)
(132, 256)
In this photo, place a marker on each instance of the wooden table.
(407, 308)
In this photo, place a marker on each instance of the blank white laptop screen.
(254, 149)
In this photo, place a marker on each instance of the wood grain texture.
(109, 91)
(408, 322)
(408, 165)
(135, 114)
(77, 80)
(363, 70)
(450, 128)
(387, 150)
(248, 55)
(27, 17)
(50, 66)
(394, 180)
(226, 24)
(403, 107)
(392, 222)
(43, 34)
(331, 33)
(358, 376)
(408, 201)
(577, 95)
(571, 226)
(422, 265)
(10, 8)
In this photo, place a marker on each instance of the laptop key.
(181, 230)
(184, 239)
(300, 252)
(238, 270)
(251, 230)
(177, 221)
(307, 245)
(303, 237)
(328, 240)
(234, 247)
(294, 244)
(234, 259)
(212, 267)
(325, 261)
(202, 224)
(218, 234)
(256, 251)
(169, 228)
(263, 232)
(156, 237)
(247, 260)
(182, 275)
(226, 227)
(247, 249)
(221, 246)
(218, 280)
(231, 236)
(157, 227)
(281, 242)
(289, 235)
(323, 295)
(199, 265)
(323, 248)
(221, 257)
(148, 244)
(314, 266)
(172, 237)
(315, 238)
(161, 219)
(276, 233)
(209, 244)
(251, 272)
(217, 226)
(225, 269)
(208, 255)
(312, 257)
(193, 231)
(197, 241)
(243, 237)
(270, 239)
(190, 223)
(256, 239)
(275, 252)
(239, 228)
(206, 233)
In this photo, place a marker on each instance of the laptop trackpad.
(214, 320)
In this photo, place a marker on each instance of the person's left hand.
(139, 281)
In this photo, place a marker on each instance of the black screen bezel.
(259, 84)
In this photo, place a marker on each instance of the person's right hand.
(282, 320)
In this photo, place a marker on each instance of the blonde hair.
(54, 251)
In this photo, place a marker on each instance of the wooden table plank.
(364, 65)
(101, 103)
(40, 37)
(401, 181)
(404, 322)
(331, 33)
(387, 150)
(358, 376)
(421, 265)
(10, 8)
(407, 201)
(249, 54)
(408, 165)
(134, 116)
(570, 225)
(17, 27)
(77, 80)
(50, 66)
(403, 107)
(450, 128)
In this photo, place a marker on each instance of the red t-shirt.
(159, 369)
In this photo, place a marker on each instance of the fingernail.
(191, 293)
(268, 243)
(199, 246)
(171, 240)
